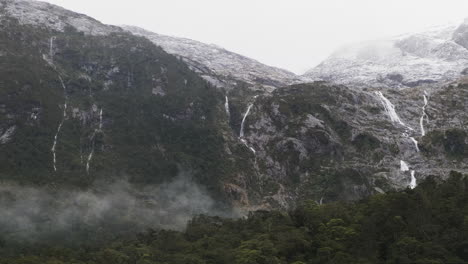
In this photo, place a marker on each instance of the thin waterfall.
(51, 48)
(415, 142)
(226, 106)
(404, 166)
(54, 145)
(93, 141)
(413, 184)
(424, 114)
(91, 154)
(50, 61)
(241, 134)
(100, 120)
(390, 109)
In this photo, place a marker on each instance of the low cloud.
(104, 211)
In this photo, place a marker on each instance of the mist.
(102, 212)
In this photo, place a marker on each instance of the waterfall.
(404, 166)
(241, 134)
(390, 110)
(100, 120)
(93, 138)
(415, 143)
(424, 114)
(54, 145)
(90, 156)
(413, 184)
(56, 136)
(51, 48)
(247, 145)
(226, 106)
(51, 64)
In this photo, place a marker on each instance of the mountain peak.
(435, 55)
(43, 14)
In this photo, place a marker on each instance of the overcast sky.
(291, 34)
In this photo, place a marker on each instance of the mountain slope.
(435, 56)
(219, 66)
(76, 108)
(79, 106)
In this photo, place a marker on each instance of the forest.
(428, 224)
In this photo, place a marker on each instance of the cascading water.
(413, 184)
(226, 106)
(93, 138)
(51, 48)
(390, 110)
(241, 134)
(91, 154)
(100, 120)
(54, 145)
(415, 142)
(424, 114)
(50, 60)
(404, 166)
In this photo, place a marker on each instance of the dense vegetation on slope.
(426, 225)
(159, 118)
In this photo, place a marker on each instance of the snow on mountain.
(436, 55)
(219, 66)
(42, 14)
(215, 64)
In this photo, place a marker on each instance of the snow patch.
(429, 56)
(218, 65)
(53, 17)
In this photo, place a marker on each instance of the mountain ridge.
(408, 60)
(217, 65)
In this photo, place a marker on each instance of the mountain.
(220, 67)
(438, 55)
(83, 103)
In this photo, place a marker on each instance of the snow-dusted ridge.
(217, 65)
(37, 13)
(436, 55)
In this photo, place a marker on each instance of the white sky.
(291, 34)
